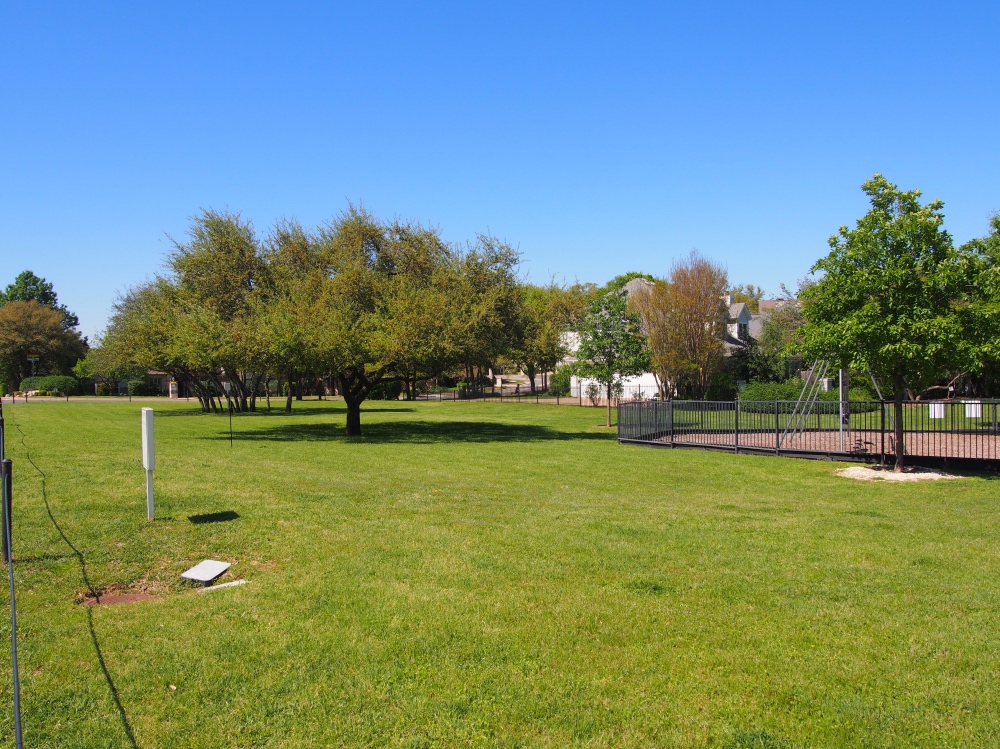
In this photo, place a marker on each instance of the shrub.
(141, 387)
(560, 381)
(386, 391)
(721, 388)
(594, 393)
(103, 388)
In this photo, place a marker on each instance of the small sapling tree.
(612, 345)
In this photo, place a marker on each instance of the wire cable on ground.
(126, 726)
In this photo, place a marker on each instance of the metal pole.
(736, 424)
(5, 469)
(777, 437)
(881, 408)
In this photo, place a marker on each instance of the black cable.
(127, 727)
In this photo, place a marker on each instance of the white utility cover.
(974, 409)
(148, 451)
(937, 410)
(207, 571)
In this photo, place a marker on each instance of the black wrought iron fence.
(855, 430)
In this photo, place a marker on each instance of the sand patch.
(878, 473)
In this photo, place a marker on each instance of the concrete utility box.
(973, 409)
(937, 410)
(172, 389)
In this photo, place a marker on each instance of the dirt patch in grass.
(879, 473)
(141, 590)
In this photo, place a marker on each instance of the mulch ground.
(976, 446)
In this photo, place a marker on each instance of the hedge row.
(765, 393)
(52, 384)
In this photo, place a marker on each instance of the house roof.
(739, 312)
(637, 285)
(769, 305)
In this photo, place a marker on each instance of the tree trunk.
(353, 419)
(531, 376)
(267, 393)
(291, 393)
(298, 389)
(355, 386)
(897, 412)
(609, 405)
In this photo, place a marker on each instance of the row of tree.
(359, 302)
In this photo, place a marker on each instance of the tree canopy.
(28, 287)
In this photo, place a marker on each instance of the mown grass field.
(487, 575)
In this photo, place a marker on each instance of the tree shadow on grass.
(279, 412)
(415, 432)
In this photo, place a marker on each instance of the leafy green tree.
(218, 272)
(28, 287)
(983, 304)
(546, 314)
(891, 298)
(612, 344)
(103, 366)
(487, 303)
(749, 295)
(780, 337)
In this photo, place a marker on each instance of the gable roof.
(739, 312)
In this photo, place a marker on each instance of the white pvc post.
(148, 458)
(840, 387)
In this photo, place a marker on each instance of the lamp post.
(229, 386)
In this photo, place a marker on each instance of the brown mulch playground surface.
(965, 445)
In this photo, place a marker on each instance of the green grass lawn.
(485, 574)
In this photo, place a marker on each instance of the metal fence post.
(736, 425)
(670, 420)
(881, 409)
(777, 438)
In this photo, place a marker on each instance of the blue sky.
(598, 138)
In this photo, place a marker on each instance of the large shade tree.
(31, 329)
(896, 298)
